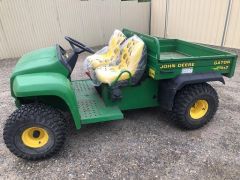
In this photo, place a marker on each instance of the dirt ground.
(145, 145)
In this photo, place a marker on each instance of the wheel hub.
(199, 109)
(35, 137)
(36, 134)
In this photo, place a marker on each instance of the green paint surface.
(91, 106)
(134, 97)
(47, 84)
(42, 60)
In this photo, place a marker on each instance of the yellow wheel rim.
(199, 109)
(35, 137)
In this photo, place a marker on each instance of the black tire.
(187, 97)
(47, 119)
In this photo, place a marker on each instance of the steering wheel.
(81, 47)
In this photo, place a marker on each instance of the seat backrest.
(132, 55)
(107, 55)
(115, 41)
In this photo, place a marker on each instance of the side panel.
(172, 68)
(47, 84)
(142, 95)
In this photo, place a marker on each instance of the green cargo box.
(168, 58)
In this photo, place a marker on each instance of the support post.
(226, 22)
(166, 18)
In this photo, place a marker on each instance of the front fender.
(47, 84)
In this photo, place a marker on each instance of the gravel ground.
(145, 145)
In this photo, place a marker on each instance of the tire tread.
(184, 96)
(45, 115)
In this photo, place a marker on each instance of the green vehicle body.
(41, 76)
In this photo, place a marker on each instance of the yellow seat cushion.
(131, 55)
(107, 74)
(107, 55)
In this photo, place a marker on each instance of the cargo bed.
(168, 58)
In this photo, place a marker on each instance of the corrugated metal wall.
(158, 15)
(215, 22)
(233, 30)
(30, 24)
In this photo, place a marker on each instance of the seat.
(132, 60)
(107, 55)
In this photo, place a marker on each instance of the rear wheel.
(35, 131)
(195, 105)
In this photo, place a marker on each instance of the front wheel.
(195, 105)
(35, 131)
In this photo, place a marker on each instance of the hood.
(41, 60)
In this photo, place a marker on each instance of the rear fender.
(47, 84)
(168, 88)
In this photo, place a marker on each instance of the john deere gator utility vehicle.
(134, 71)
